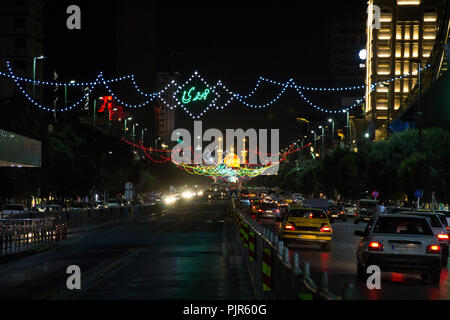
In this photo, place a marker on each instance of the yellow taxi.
(306, 226)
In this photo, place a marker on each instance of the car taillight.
(342, 212)
(448, 228)
(375, 246)
(254, 207)
(260, 210)
(325, 229)
(442, 236)
(433, 249)
(277, 211)
(289, 227)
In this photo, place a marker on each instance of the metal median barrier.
(39, 231)
(276, 272)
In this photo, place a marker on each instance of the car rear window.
(403, 225)
(312, 214)
(435, 222)
(268, 206)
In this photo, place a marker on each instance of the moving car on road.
(336, 213)
(365, 210)
(439, 230)
(267, 210)
(306, 226)
(349, 210)
(12, 210)
(399, 243)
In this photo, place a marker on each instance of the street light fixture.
(34, 72)
(332, 133)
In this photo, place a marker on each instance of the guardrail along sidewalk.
(40, 231)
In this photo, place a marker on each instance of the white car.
(399, 243)
(113, 203)
(439, 230)
(13, 209)
(349, 210)
(297, 197)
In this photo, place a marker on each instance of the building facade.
(407, 37)
(165, 116)
(21, 40)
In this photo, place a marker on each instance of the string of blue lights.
(101, 81)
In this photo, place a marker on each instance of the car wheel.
(360, 272)
(326, 247)
(444, 259)
(435, 277)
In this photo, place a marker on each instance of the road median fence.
(276, 272)
(39, 231)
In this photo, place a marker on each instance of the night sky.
(233, 41)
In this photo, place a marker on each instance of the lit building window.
(415, 50)
(384, 69)
(397, 86)
(384, 34)
(430, 17)
(408, 2)
(416, 32)
(399, 32)
(397, 103)
(406, 50)
(398, 50)
(398, 68)
(386, 17)
(407, 33)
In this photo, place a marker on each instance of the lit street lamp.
(34, 72)
(323, 139)
(332, 133)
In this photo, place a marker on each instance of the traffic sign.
(128, 186)
(375, 194)
(418, 193)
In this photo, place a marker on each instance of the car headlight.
(200, 193)
(170, 200)
(187, 195)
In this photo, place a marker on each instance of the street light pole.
(332, 133)
(34, 73)
(322, 137)
(418, 118)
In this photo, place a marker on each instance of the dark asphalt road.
(183, 254)
(340, 264)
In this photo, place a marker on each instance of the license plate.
(308, 237)
(404, 247)
(268, 211)
(334, 216)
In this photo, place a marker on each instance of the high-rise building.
(165, 116)
(21, 40)
(407, 35)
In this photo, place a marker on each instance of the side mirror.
(359, 234)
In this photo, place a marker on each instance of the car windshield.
(302, 213)
(14, 207)
(403, 225)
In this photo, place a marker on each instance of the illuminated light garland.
(233, 96)
(38, 105)
(182, 104)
